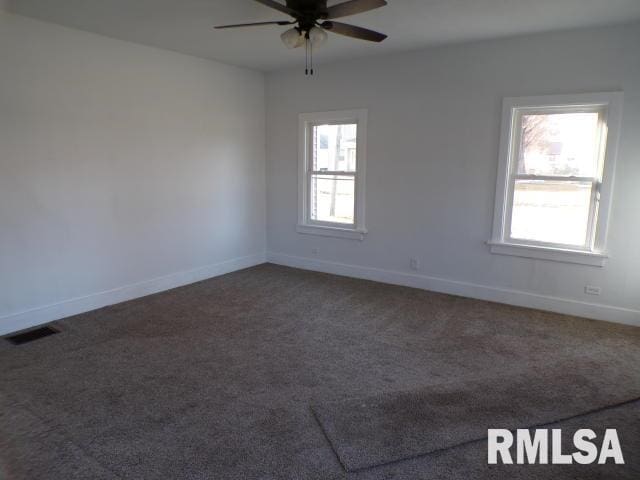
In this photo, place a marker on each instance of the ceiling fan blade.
(353, 7)
(256, 24)
(278, 6)
(353, 31)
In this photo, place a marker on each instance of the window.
(331, 176)
(556, 176)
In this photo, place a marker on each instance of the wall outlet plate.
(592, 290)
(414, 264)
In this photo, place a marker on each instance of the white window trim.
(357, 231)
(595, 254)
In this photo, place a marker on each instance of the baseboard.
(493, 294)
(38, 316)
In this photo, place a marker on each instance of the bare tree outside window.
(535, 136)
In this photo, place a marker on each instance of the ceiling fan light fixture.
(292, 38)
(313, 19)
(318, 36)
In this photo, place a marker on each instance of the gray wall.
(434, 126)
(120, 163)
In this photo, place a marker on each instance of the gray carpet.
(216, 379)
(373, 431)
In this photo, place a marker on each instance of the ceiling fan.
(313, 19)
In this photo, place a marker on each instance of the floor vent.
(32, 335)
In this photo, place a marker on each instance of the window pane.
(553, 212)
(334, 147)
(332, 198)
(564, 144)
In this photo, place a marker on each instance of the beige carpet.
(381, 429)
(217, 379)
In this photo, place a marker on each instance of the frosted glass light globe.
(292, 38)
(317, 36)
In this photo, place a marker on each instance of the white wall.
(434, 121)
(126, 169)
(120, 164)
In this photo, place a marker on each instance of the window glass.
(332, 198)
(334, 148)
(559, 144)
(551, 212)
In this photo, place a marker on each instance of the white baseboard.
(38, 316)
(493, 294)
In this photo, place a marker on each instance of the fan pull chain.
(308, 45)
(311, 55)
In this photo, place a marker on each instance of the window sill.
(594, 259)
(337, 232)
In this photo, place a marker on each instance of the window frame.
(306, 225)
(593, 252)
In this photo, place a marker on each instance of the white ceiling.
(186, 25)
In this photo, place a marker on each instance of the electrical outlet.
(591, 290)
(315, 251)
(414, 264)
